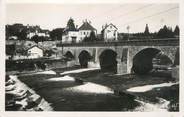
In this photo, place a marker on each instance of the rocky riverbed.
(19, 97)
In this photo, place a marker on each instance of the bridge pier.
(123, 67)
(129, 62)
(96, 55)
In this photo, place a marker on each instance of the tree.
(56, 34)
(86, 39)
(91, 38)
(70, 24)
(18, 30)
(41, 38)
(22, 35)
(35, 38)
(165, 32)
(48, 53)
(146, 32)
(176, 30)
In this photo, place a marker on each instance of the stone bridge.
(123, 57)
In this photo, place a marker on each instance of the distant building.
(35, 52)
(109, 32)
(36, 30)
(70, 35)
(85, 30)
(28, 52)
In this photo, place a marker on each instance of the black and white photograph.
(121, 57)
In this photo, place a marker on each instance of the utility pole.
(128, 28)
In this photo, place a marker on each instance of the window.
(84, 33)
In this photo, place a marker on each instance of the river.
(65, 93)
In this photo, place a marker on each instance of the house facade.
(32, 52)
(109, 32)
(85, 30)
(70, 36)
(35, 52)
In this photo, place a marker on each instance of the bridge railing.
(135, 42)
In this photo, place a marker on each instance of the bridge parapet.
(140, 42)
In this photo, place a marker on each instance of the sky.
(136, 16)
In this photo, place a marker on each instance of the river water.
(65, 94)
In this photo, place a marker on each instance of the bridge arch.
(143, 60)
(84, 58)
(69, 55)
(108, 62)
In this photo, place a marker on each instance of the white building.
(70, 36)
(35, 52)
(85, 30)
(36, 30)
(109, 32)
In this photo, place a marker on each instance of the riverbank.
(29, 101)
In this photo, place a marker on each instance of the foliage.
(56, 34)
(48, 53)
(91, 38)
(176, 30)
(70, 24)
(37, 38)
(146, 32)
(10, 49)
(17, 30)
(165, 32)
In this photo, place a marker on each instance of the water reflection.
(65, 78)
(90, 88)
(78, 70)
(150, 87)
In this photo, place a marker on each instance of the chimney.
(76, 26)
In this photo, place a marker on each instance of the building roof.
(35, 46)
(67, 29)
(86, 26)
(22, 49)
(108, 26)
